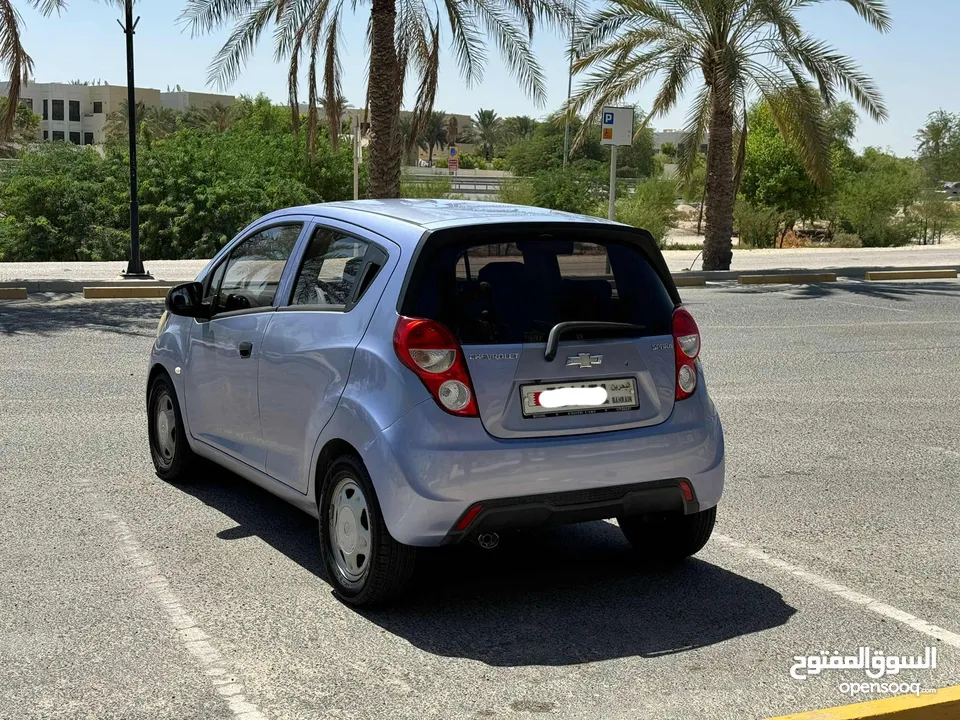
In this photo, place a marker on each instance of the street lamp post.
(135, 270)
(566, 124)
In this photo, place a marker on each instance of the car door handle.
(245, 349)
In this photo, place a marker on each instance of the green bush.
(500, 164)
(758, 226)
(472, 162)
(572, 191)
(437, 186)
(652, 206)
(440, 162)
(517, 192)
(198, 188)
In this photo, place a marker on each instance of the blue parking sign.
(608, 118)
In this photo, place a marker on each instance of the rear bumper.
(551, 509)
(429, 468)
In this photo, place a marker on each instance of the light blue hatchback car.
(425, 372)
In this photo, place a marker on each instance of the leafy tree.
(544, 150)
(404, 37)
(487, 125)
(938, 146)
(25, 126)
(737, 48)
(637, 160)
(669, 149)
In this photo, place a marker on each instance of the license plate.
(579, 398)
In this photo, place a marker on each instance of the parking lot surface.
(125, 597)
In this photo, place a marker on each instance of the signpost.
(453, 162)
(616, 129)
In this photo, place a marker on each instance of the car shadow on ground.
(563, 596)
(49, 313)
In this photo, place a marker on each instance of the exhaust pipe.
(488, 541)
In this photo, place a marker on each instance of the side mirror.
(187, 301)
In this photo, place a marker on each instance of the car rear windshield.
(513, 287)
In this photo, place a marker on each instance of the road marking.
(864, 305)
(831, 325)
(190, 634)
(948, 453)
(843, 592)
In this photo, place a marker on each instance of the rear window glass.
(515, 292)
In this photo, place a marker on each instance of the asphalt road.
(125, 597)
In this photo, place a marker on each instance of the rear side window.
(515, 292)
(337, 269)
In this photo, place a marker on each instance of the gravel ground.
(125, 597)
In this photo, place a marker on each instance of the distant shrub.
(440, 162)
(846, 240)
(652, 207)
(500, 164)
(517, 192)
(437, 186)
(758, 226)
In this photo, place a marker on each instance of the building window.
(57, 135)
(74, 111)
(45, 113)
(46, 135)
(75, 138)
(29, 103)
(58, 109)
(88, 138)
(98, 108)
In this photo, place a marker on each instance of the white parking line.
(843, 592)
(190, 634)
(864, 305)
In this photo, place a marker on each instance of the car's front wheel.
(365, 565)
(669, 537)
(169, 449)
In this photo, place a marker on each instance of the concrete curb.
(13, 293)
(944, 704)
(787, 278)
(911, 274)
(101, 293)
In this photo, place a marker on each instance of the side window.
(252, 272)
(333, 266)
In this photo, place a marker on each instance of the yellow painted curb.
(911, 274)
(689, 281)
(796, 278)
(101, 293)
(944, 704)
(13, 293)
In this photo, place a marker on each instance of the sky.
(916, 65)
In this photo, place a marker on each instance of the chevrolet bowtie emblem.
(584, 360)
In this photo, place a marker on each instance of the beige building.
(78, 113)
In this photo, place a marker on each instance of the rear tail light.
(686, 349)
(431, 351)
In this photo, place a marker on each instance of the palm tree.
(14, 56)
(740, 49)
(435, 133)
(404, 36)
(117, 126)
(518, 127)
(218, 115)
(487, 125)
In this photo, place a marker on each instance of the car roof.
(407, 219)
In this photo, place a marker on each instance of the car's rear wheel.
(169, 449)
(669, 538)
(365, 565)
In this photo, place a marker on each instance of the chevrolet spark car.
(421, 373)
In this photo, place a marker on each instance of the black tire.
(174, 461)
(669, 538)
(388, 569)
